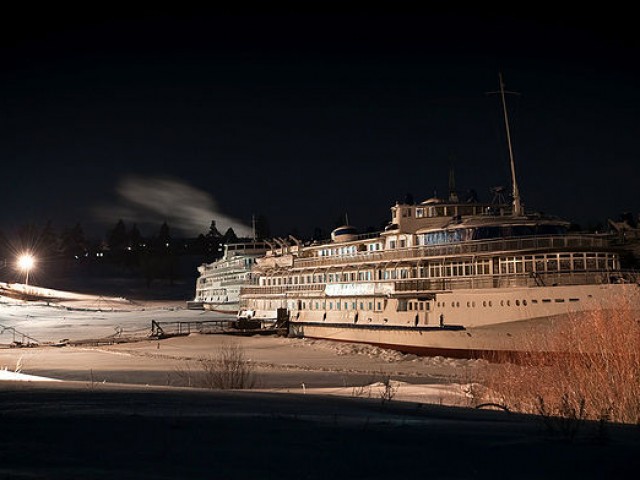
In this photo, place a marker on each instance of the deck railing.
(530, 279)
(476, 247)
(479, 281)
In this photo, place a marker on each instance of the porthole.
(524, 302)
(490, 303)
(473, 304)
(517, 303)
(508, 303)
(502, 303)
(484, 303)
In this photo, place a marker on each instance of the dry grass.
(594, 375)
(227, 368)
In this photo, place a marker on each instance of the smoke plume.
(151, 201)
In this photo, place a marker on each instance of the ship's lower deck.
(455, 323)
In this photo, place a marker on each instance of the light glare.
(26, 262)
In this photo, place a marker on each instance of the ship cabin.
(436, 222)
(245, 248)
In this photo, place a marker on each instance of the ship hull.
(503, 340)
(471, 329)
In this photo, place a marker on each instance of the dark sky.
(302, 116)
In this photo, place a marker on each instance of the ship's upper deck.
(437, 214)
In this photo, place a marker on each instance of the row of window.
(203, 282)
(548, 263)
(507, 303)
(348, 250)
(407, 305)
(241, 263)
(449, 211)
(457, 235)
(369, 304)
(559, 262)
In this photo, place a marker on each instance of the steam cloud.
(155, 200)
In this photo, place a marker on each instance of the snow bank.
(387, 355)
(8, 375)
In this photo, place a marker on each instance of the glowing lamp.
(25, 263)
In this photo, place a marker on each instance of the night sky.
(303, 116)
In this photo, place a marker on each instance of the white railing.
(479, 281)
(477, 247)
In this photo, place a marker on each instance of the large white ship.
(218, 286)
(445, 276)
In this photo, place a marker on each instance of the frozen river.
(85, 317)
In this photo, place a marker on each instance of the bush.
(593, 372)
(226, 369)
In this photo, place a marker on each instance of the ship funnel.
(345, 233)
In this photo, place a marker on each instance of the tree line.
(124, 249)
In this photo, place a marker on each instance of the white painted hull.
(471, 342)
(476, 322)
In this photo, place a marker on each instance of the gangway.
(181, 328)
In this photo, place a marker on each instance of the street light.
(26, 263)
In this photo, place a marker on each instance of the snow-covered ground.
(10, 375)
(53, 315)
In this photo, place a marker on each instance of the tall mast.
(517, 205)
(253, 226)
(453, 194)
